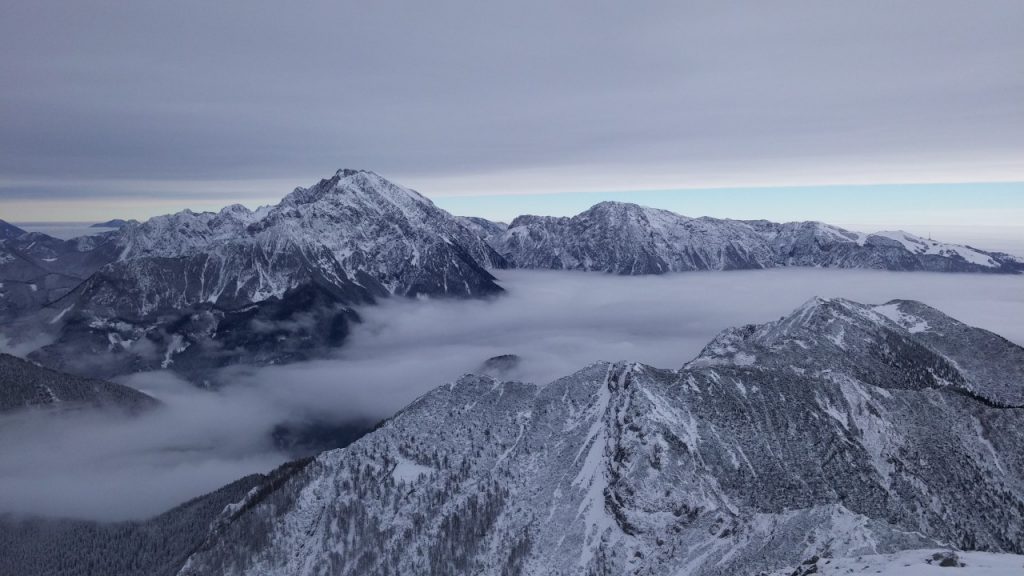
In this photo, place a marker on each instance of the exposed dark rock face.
(500, 367)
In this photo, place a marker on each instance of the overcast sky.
(135, 108)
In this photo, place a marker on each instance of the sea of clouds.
(107, 466)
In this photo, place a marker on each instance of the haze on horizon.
(114, 110)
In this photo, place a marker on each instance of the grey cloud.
(191, 90)
(98, 466)
(111, 467)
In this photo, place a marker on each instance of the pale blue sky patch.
(878, 206)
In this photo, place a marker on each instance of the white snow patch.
(408, 471)
(61, 314)
(744, 359)
(836, 414)
(920, 563)
(919, 245)
(912, 323)
(841, 235)
(592, 479)
(838, 338)
(177, 345)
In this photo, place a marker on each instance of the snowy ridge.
(626, 238)
(630, 239)
(377, 232)
(919, 245)
(898, 344)
(717, 468)
(928, 562)
(483, 228)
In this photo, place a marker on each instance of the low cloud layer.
(103, 466)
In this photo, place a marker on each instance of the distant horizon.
(987, 215)
(920, 204)
(811, 111)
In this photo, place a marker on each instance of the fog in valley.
(106, 466)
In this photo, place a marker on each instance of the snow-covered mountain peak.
(366, 223)
(363, 186)
(628, 469)
(628, 213)
(628, 238)
(818, 309)
(827, 321)
(628, 209)
(899, 344)
(360, 196)
(237, 210)
(346, 172)
(742, 346)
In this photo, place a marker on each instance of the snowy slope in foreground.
(933, 562)
(835, 431)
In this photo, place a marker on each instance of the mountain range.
(626, 238)
(193, 292)
(837, 438)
